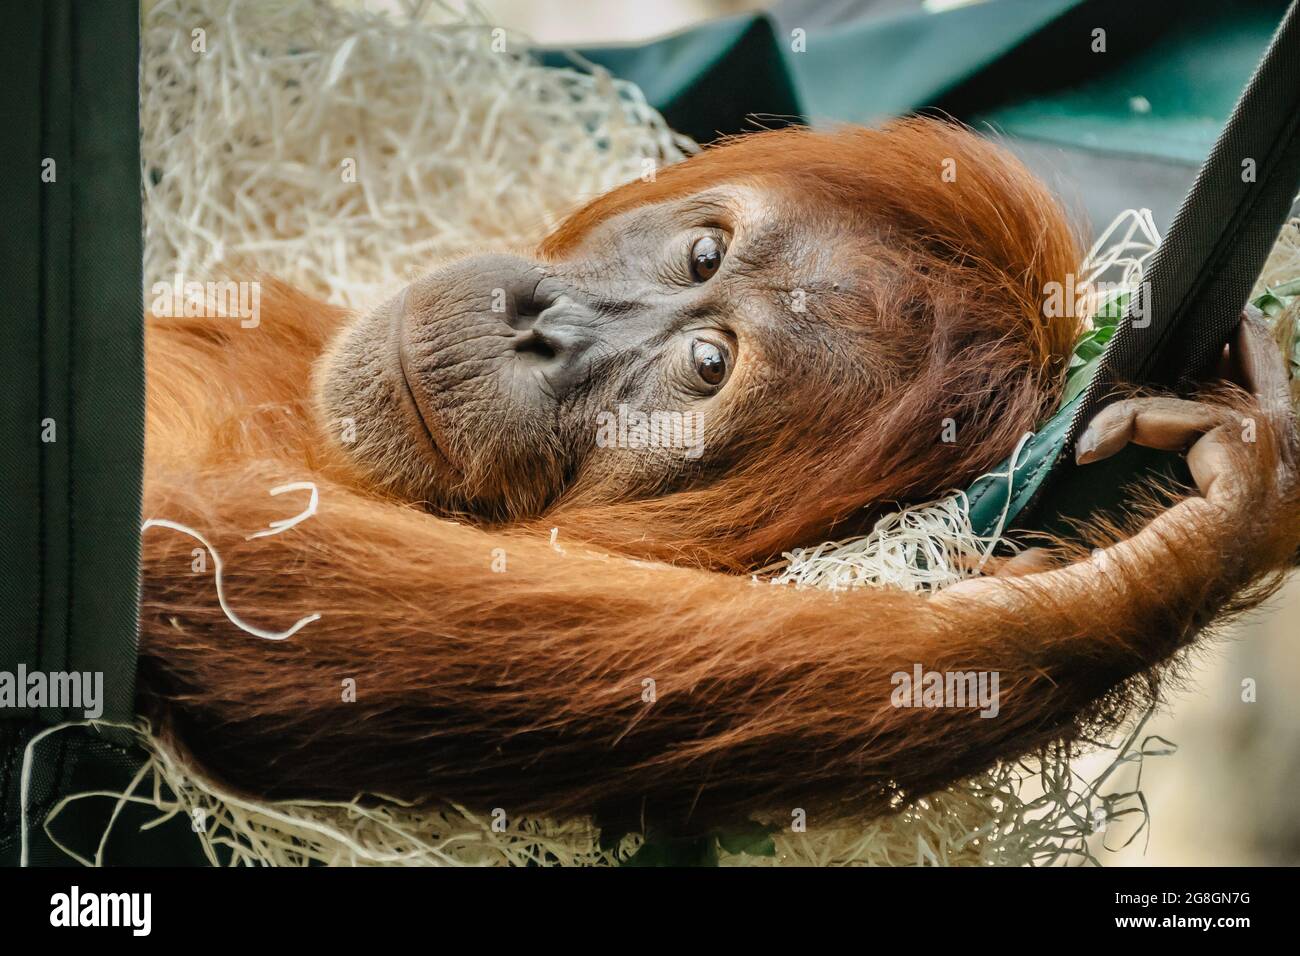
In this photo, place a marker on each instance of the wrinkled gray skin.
(497, 413)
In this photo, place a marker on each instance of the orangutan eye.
(710, 362)
(706, 257)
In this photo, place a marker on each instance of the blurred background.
(1130, 135)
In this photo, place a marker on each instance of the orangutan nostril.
(526, 303)
(523, 314)
(535, 344)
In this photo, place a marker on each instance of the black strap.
(1200, 276)
(1195, 286)
(71, 388)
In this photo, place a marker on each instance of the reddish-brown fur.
(524, 689)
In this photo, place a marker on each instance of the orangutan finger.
(1263, 368)
(1210, 461)
(1170, 424)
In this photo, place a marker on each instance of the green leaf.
(688, 851)
(1089, 349)
(1078, 380)
(1287, 289)
(1083, 362)
(752, 838)
(1270, 305)
(1111, 309)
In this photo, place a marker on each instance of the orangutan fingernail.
(1085, 446)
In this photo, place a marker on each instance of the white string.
(275, 528)
(284, 524)
(1128, 255)
(25, 783)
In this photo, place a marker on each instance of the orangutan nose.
(557, 342)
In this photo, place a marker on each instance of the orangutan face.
(656, 353)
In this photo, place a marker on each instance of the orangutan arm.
(496, 671)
